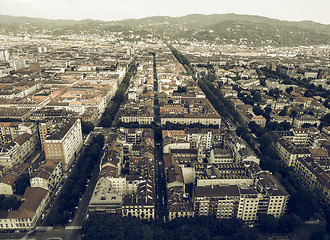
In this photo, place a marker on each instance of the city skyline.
(110, 11)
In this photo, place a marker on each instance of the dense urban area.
(107, 137)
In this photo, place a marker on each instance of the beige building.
(7, 183)
(266, 196)
(47, 176)
(289, 152)
(141, 119)
(191, 119)
(260, 120)
(141, 204)
(26, 216)
(44, 130)
(64, 143)
(178, 205)
(221, 156)
(105, 199)
(313, 176)
(305, 119)
(15, 152)
(221, 202)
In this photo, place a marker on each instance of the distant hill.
(217, 28)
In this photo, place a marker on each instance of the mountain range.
(217, 28)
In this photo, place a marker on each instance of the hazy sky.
(315, 10)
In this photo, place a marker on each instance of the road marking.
(72, 227)
(44, 228)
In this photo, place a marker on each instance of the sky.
(108, 10)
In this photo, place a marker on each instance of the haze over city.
(167, 120)
(293, 10)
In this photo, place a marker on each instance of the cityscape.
(154, 129)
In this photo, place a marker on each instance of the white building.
(64, 143)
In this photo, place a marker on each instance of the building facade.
(64, 143)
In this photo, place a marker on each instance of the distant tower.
(4, 55)
(42, 49)
(130, 51)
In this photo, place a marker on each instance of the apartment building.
(132, 194)
(105, 199)
(221, 156)
(26, 216)
(64, 143)
(219, 201)
(48, 175)
(305, 119)
(200, 138)
(7, 182)
(289, 152)
(222, 174)
(9, 131)
(313, 176)
(44, 129)
(141, 204)
(266, 196)
(17, 151)
(178, 204)
(259, 120)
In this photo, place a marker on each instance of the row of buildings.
(126, 183)
(47, 88)
(306, 150)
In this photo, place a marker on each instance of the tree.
(303, 203)
(99, 139)
(267, 223)
(268, 111)
(10, 202)
(283, 111)
(22, 182)
(326, 120)
(253, 126)
(320, 235)
(309, 93)
(87, 127)
(289, 90)
(257, 96)
(293, 113)
(263, 82)
(288, 223)
(257, 110)
(241, 131)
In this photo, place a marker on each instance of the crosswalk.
(73, 227)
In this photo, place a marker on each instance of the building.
(26, 216)
(48, 175)
(259, 120)
(44, 130)
(219, 201)
(289, 152)
(4, 55)
(200, 138)
(141, 204)
(64, 143)
(178, 203)
(189, 111)
(105, 199)
(305, 119)
(224, 174)
(313, 176)
(17, 151)
(7, 182)
(266, 196)
(221, 156)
